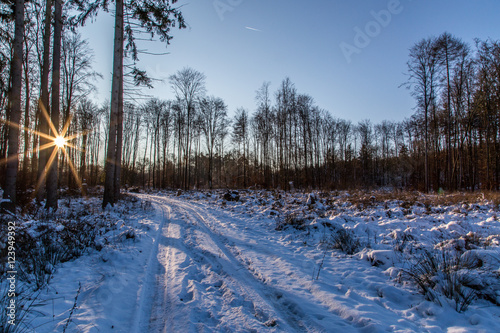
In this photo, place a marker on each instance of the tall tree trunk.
(165, 153)
(119, 139)
(449, 155)
(83, 162)
(14, 110)
(426, 149)
(110, 181)
(43, 104)
(34, 145)
(26, 179)
(135, 147)
(52, 176)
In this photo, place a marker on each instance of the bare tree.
(77, 80)
(449, 49)
(241, 130)
(30, 67)
(213, 120)
(43, 104)
(87, 113)
(263, 122)
(116, 93)
(188, 86)
(422, 71)
(166, 125)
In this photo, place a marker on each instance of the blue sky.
(302, 40)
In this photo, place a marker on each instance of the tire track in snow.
(146, 290)
(169, 302)
(340, 300)
(165, 305)
(158, 307)
(274, 302)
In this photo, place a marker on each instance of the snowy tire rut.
(200, 285)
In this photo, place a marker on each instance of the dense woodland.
(451, 142)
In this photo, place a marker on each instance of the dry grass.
(363, 199)
(293, 220)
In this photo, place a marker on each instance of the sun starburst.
(60, 140)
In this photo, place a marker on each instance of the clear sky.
(239, 44)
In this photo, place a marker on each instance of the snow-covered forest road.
(196, 262)
(204, 278)
(214, 271)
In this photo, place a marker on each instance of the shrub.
(444, 272)
(346, 241)
(402, 240)
(41, 247)
(231, 196)
(293, 220)
(38, 256)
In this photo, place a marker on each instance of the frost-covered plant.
(402, 241)
(79, 236)
(38, 257)
(346, 241)
(42, 247)
(292, 220)
(73, 309)
(447, 273)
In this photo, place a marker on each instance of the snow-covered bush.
(45, 239)
(345, 240)
(38, 254)
(293, 220)
(231, 196)
(402, 241)
(42, 245)
(447, 273)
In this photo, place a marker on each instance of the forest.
(54, 136)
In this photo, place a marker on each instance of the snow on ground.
(259, 261)
(104, 280)
(364, 289)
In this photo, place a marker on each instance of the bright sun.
(60, 141)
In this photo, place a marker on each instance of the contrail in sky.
(253, 29)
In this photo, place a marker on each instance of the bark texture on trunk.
(111, 156)
(52, 177)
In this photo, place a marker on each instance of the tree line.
(451, 141)
(457, 92)
(289, 142)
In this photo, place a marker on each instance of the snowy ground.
(267, 262)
